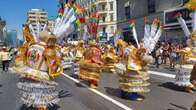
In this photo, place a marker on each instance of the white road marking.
(162, 74)
(119, 104)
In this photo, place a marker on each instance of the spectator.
(5, 58)
(165, 53)
(173, 56)
(193, 77)
(158, 53)
(178, 57)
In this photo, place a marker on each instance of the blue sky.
(15, 11)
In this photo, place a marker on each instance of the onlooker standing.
(158, 53)
(173, 56)
(170, 49)
(165, 53)
(4, 54)
(193, 77)
(178, 49)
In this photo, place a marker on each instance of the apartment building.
(37, 15)
(2, 26)
(107, 10)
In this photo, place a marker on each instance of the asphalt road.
(75, 96)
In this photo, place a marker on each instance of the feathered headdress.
(132, 26)
(152, 33)
(65, 23)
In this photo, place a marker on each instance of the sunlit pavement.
(76, 96)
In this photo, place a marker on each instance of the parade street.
(75, 95)
(98, 55)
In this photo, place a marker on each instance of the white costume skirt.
(38, 94)
(67, 63)
(75, 68)
(183, 76)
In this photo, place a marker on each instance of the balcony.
(101, 23)
(102, 12)
(100, 1)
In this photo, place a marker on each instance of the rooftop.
(36, 10)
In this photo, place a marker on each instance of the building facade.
(37, 15)
(51, 24)
(2, 27)
(11, 38)
(107, 10)
(163, 9)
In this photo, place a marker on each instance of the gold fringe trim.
(127, 85)
(87, 75)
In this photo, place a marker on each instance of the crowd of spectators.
(168, 53)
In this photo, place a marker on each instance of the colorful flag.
(93, 23)
(61, 10)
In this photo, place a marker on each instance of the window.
(103, 8)
(111, 6)
(86, 13)
(151, 6)
(94, 9)
(32, 21)
(34, 25)
(88, 3)
(112, 29)
(43, 13)
(111, 17)
(32, 17)
(127, 12)
(104, 29)
(31, 13)
(43, 17)
(103, 18)
(43, 22)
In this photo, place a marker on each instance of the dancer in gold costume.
(90, 66)
(38, 64)
(133, 73)
(133, 67)
(79, 51)
(38, 61)
(186, 76)
(109, 59)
